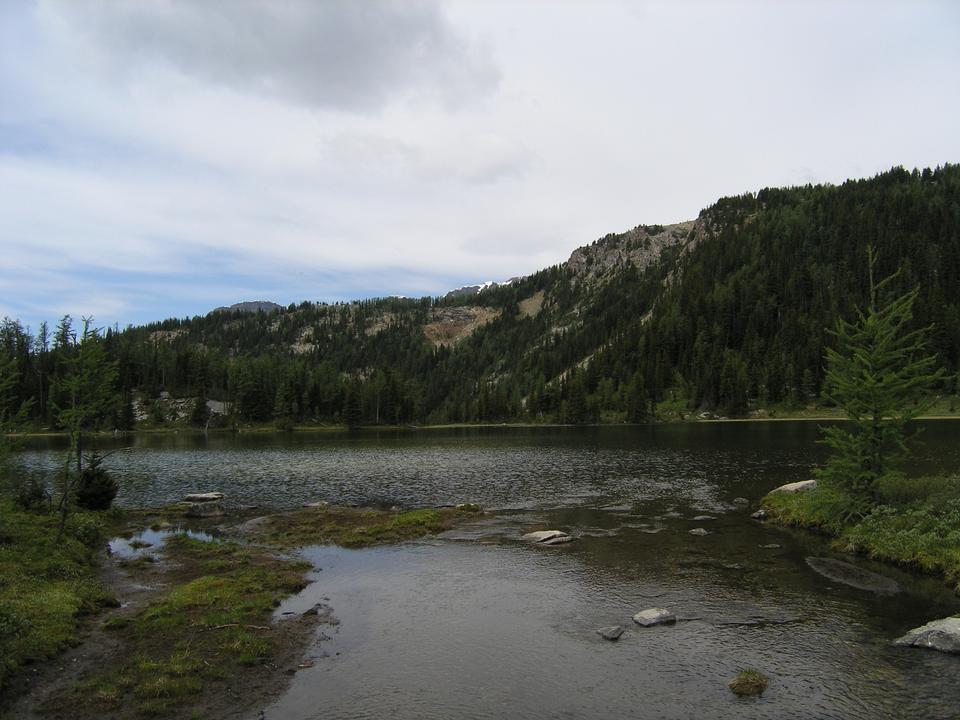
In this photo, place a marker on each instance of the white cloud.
(306, 148)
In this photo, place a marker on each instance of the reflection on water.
(705, 465)
(150, 540)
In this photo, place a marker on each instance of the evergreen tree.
(878, 373)
(90, 386)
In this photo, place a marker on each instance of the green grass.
(202, 632)
(916, 522)
(46, 585)
(355, 527)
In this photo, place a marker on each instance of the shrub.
(96, 489)
(87, 528)
(30, 494)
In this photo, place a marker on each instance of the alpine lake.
(475, 623)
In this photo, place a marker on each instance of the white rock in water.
(703, 518)
(541, 536)
(560, 540)
(796, 487)
(699, 531)
(654, 616)
(942, 635)
(204, 497)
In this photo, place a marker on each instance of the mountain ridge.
(727, 312)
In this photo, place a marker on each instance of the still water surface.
(475, 624)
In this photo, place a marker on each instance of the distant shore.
(265, 428)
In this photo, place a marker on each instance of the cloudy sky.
(161, 157)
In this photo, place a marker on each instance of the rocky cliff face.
(640, 247)
(251, 307)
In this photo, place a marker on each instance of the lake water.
(476, 624)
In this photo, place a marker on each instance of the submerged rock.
(795, 487)
(942, 635)
(654, 616)
(547, 537)
(203, 509)
(703, 518)
(760, 514)
(853, 576)
(699, 531)
(204, 497)
(770, 546)
(740, 501)
(611, 633)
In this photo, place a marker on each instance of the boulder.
(795, 487)
(654, 616)
(204, 497)
(542, 536)
(942, 635)
(853, 576)
(699, 531)
(611, 633)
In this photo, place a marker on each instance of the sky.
(160, 158)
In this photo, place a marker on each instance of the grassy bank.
(355, 527)
(213, 624)
(916, 523)
(47, 584)
(202, 636)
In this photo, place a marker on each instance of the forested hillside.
(726, 313)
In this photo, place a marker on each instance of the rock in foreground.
(654, 616)
(942, 635)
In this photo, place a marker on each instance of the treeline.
(733, 320)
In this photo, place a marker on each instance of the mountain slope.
(725, 312)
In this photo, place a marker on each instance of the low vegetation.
(356, 527)
(47, 584)
(749, 683)
(201, 634)
(915, 523)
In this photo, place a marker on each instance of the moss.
(354, 527)
(749, 683)
(46, 585)
(204, 631)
